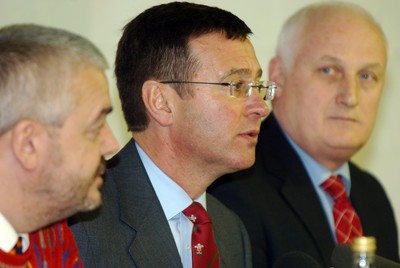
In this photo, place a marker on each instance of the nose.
(109, 143)
(256, 106)
(349, 92)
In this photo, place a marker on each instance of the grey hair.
(37, 66)
(294, 26)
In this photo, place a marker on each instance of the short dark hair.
(154, 45)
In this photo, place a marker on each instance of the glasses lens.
(266, 90)
(270, 90)
(262, 89)
(240, 89)
(259, 86)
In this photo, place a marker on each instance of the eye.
(331, 72)
(94, 131)
(327, 70)
(93, 134)
(368, 76)
(240, 89)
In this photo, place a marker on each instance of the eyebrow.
(242, 72)
(337, 60)
(103, 113)
(331, 58)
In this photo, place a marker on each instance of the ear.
(155, 98)
(28, 138)
(276, 73)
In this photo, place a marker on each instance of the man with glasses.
(330, 70)
(189, 83)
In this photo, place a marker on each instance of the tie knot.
(196, 213)
(335, 187)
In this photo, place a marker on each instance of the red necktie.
(204, 250)
(347, 222)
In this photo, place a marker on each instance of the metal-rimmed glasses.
(241, 89)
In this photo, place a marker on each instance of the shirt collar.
(172, 197)
(8, 235)
(319, 173)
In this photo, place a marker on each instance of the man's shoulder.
(214, 206)
(363, 178)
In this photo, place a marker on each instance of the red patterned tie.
(204, 250)
(347, 223)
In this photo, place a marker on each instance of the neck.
(181, 167)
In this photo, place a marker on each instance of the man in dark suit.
(188, 80)
(329, 69)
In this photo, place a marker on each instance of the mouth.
(344, 119)
(251, 135)
(101, 168)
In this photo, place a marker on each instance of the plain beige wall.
(102, 21)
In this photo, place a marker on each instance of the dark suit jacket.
(282, 212)
(130, 229)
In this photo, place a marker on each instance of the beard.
(94, 198)
(65, 190)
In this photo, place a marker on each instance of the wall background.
(102, 20)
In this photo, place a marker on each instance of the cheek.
(211, 126)
(85, 159)
(92, 159)
(369, 117)
(369, 106)
(298, 102)
(200, 126)
(222, 119)
(316, 97)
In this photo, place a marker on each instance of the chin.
(90, 205)
(93, 198)
(243, 164)
(92, 201)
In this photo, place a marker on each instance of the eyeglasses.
(239, 89)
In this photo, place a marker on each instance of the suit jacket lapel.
(152, 241)
(305, 203)
(234, 250)
(283, 162)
